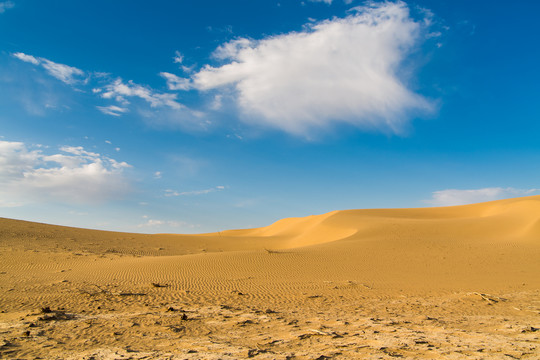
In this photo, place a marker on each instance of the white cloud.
(62, 72)
(324, 1)
(153, 223)
(118, 90)
(112, 110)
(4, 5)
(73, 175)
(452, 197)
(65, 73)
(158, 175)
(340, 70)
(178, 57)
(175, 82)
(27, 58)
(170, 192)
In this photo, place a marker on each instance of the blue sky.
(188, 117)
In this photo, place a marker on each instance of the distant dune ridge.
(516, 219)
(472, 260)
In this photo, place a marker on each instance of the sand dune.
(449, 282)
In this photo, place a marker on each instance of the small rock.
(245, 322)
(252, 352)
(158, 285)
(530, 329)
(177, 328)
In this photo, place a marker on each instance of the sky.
(193, 117)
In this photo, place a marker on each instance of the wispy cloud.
(178, 57)
(112, 110)
(4, 5)
(72, 175)
(324, 1)
(339, 70)
(195, 192)
(65, 73)
(116, 89)
(62, 72)
(452, 197)
(175, 82)
(151, 222)
(119, 90)
(27, 58)
(156, 223)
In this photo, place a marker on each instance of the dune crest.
(510, 219)
(300, 231)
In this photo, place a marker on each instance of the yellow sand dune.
(515, 219)
(333, 271)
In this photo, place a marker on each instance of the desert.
(300, 179)
(459, 282)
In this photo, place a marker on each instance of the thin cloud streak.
(150, 223)
(170, 193)
(112, 110)
(65, 73)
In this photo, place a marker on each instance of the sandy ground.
(455, 283)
